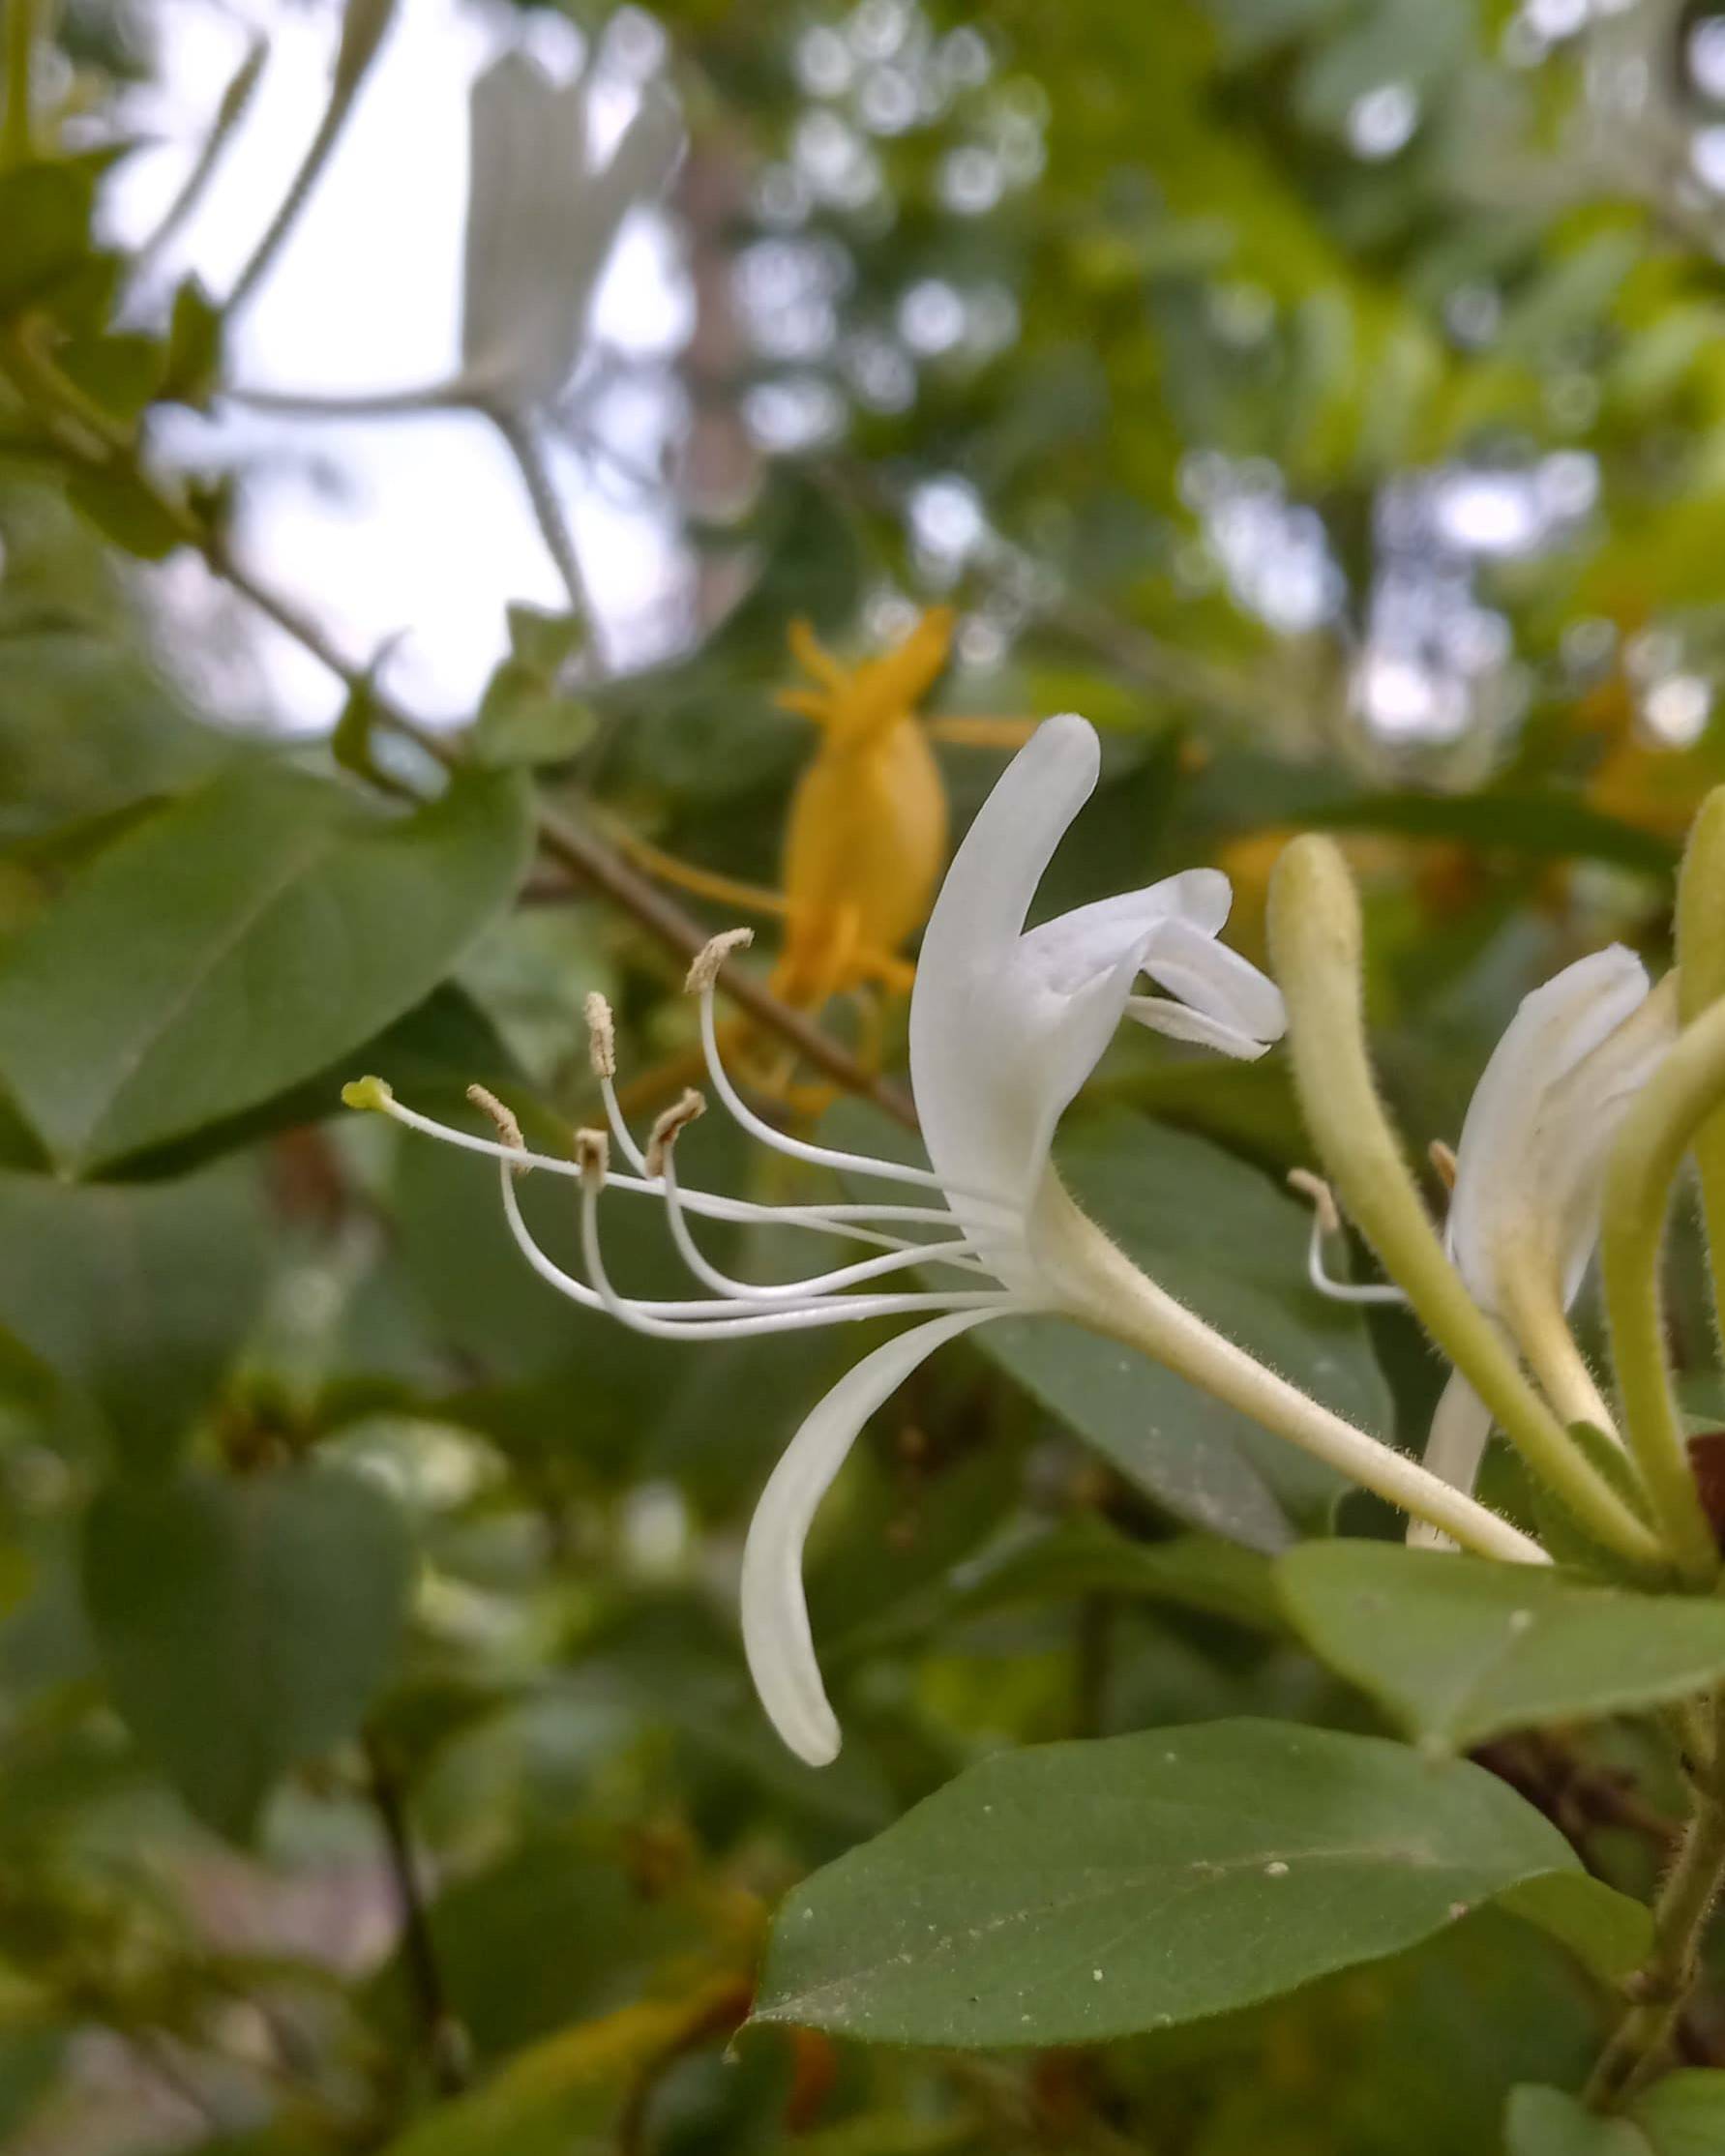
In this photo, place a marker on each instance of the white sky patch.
(411, 526)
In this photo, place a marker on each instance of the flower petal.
(976, 1044)
(775, 1633)
(1215, 981)
(1461, 1424)
(1537, 1133)
(1179, 1021)
(1074, 947)
(521, 320)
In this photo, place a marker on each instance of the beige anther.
(704, 971)
(508, 1129)
(1322, 1197)
(675, 1119)
(592, 1156)
(601, 1037)
(1443, 1158)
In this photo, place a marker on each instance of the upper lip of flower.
(1007, 1026)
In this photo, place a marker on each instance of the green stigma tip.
(366, 1093)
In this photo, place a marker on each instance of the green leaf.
(1543, 825)
(1685, 2114)
(564, 2096)
(525, 719)
(1192, 1871)
(1547, 2122)
(121, 372)
(1611, 1933)
(135, 1297)
(1085, 1556)
(87, 729)
(429, 1056)
(44, 212)
(1230, 1245)
(195, 332)
(127, 511)
(1459, 1649)
(245, 1624)
(551, 1935)
(544, 642)
(237, 942)
(1570, 1540)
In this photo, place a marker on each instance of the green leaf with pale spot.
(1080, 1892)
(1459, 1649)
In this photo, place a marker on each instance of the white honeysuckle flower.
(1005, 1026)
(542, 222)
(1529, 1170)
(541, 225)
(1530, 1165)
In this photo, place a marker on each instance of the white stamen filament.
(835, 1220)
(1327, 1219)
(959, 1253)
(834, 1309)
(821, 1156)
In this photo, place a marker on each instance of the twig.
(521, 439)
(363, 28)
(444, 2039)
(235, 99)
(584, 855)
(1662, 1988)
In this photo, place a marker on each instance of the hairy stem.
(1107, 1292)
(1315, 939)
(1701, 984)
(1656, 1133)
(1662, 1987)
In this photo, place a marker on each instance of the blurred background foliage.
(1326, 396)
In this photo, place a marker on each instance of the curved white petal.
(1215, 981)
(1074, 947)
(1461, 1424)
(1006, 1026)
(1533, 1145)
(776, 1634)
(1178, 1021)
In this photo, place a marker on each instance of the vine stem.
(363, 28)
(444, 2039)
(16, 114)
(521, 438)
(1661, 1988)
(86, 436)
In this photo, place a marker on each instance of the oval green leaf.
(1459, 1649)
(245, 1624)
(1194, 1871)
(237, 941)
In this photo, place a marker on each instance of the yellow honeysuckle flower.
(865, 839)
